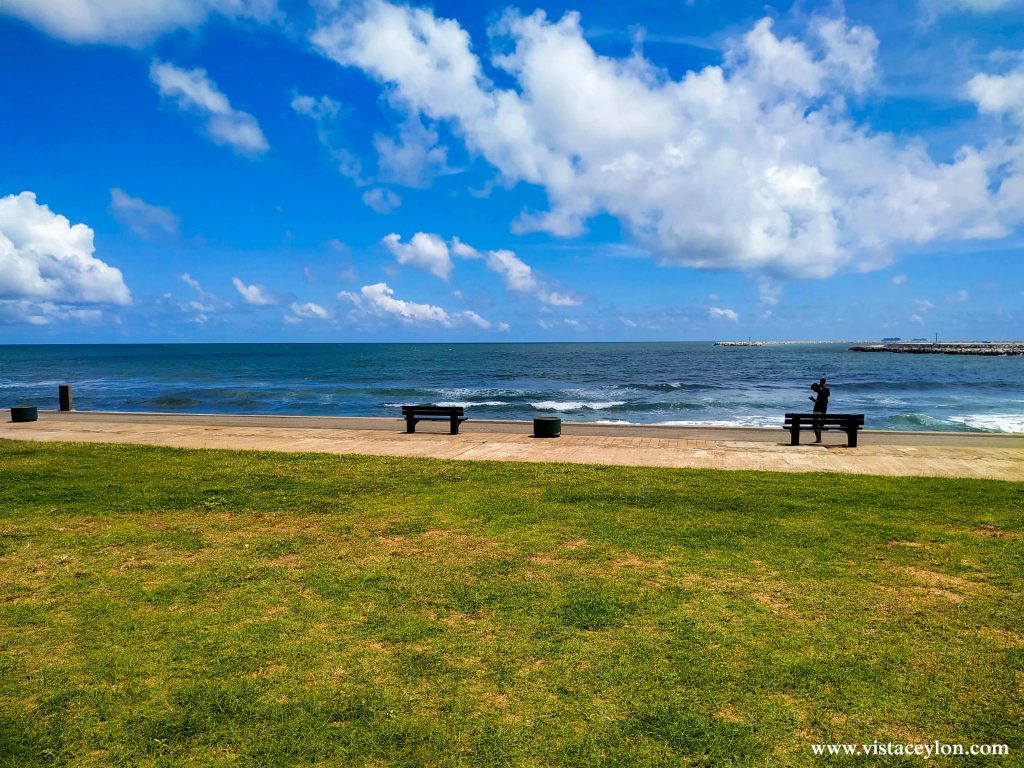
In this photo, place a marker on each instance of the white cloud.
(378, 300)
(768, 291)
(131, 22)
(503, 327)
(999, 94)
(972, 6)
(308, 311)
(414, 158)
(22, 312)
(257, 295)
(517, 275)
(149, 222)
(326, 113)
(475, 319)
(898, 279)
(193, 91)
(47, 261)
(757, 164)
(726, 314)
(424, 251)
(381, 200)
(194, 284)
(200, 308)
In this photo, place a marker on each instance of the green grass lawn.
(171, 607)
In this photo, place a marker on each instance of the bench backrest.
(826, 418)
(434, 410)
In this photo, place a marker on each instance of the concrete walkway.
(978, 455)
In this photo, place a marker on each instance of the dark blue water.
(648, 383)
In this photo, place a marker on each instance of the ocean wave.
(749, 422)
(992, 422)
(468, 404)
(919, 421)
(575, 405)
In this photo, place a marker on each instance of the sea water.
(686, 383)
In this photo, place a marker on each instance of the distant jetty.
(777, 343)
(984, 348)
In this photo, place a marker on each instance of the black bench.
(847, 422)
(415, 413)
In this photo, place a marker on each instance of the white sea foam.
(575, 405)
(460, 404)
(992, 422)
(721, 423)
(467, 404)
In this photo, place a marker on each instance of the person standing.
(821, 395)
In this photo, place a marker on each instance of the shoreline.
(715, 432)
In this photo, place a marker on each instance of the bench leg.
(410, 424)
(851, 438)
(794, 434)
(455, 425)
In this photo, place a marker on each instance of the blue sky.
(251, 170)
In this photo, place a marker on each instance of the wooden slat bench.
(849, 423)
(416, 413)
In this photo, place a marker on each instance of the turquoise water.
(642, 383)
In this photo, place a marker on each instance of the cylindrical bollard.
(547, 426)
(65, 397)
(20, 413)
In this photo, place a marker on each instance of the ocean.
(685, 383)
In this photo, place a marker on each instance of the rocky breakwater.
(985, 348)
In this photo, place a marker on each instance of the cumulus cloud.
(724, 314)
(381, 200)
(517, 275)
(424, 251)
(756, 164)
(149, 222)
(48, 263)
(475, 319)
(999, 94)
(308, 311)
(257, 295)
(192, 91)
(130, 22)
(378, 300)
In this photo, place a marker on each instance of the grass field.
(171, 607)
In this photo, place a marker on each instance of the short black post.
(24, 413)
(547, 426)
(65, 397)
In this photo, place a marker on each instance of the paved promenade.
(979, 455)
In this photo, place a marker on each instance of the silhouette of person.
(822, 394)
